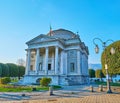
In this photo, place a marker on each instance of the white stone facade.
(59, 55)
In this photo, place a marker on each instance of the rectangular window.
(72, 67)
(49, 66)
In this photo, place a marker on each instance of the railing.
(32, 72)
(51, 72)
(42, 72)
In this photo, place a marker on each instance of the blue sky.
(22, 20)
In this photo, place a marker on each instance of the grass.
(111, 83)
(56, 87)
(8, 88)
(11, 88)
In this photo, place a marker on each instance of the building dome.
(62, 33)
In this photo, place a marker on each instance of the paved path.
(69, 94)
(104, 98)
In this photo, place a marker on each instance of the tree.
(112, 60)
(91, 73)
(0, 70)
(13, 70)
(21, 71)
(21, 68)
(5, 70)
(99, 74)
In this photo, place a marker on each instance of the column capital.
(46, 47)
(37, 48)
(56, 46)
(27, 49)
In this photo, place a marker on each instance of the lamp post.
(112, 51)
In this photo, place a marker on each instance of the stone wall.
(58, 80)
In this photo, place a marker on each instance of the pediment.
(40, 38)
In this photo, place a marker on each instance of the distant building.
(59, 55)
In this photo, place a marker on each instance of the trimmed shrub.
(5, 80)
(45, 81)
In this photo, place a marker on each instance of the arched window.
(40, 66)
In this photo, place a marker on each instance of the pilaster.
(78, 62)
(62, 62)
(66, 63)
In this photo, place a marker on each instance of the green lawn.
(11, 88)
(111, 83)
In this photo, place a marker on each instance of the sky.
(22, 20)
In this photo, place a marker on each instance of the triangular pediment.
(40, 38)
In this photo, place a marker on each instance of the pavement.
(68, 94)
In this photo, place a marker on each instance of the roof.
(64, 36)
(55, 34)
(62, 33)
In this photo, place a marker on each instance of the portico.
(43, 61)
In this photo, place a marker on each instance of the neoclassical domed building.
(59, 55)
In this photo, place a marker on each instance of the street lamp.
(112, 51)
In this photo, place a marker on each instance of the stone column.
(62, 62)
(28, 62)
(46, 59)
(78, 62)
(37, 60)
(56, 60)
(52, 61)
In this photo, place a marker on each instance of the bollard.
(23, 95)
(33, 89)
(91, 88)
(50, 90)
(100, 88)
